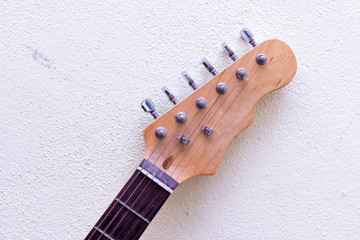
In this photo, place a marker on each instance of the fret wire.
(132, 210)
(117, 225)
(103, 233)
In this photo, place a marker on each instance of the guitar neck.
(136, 205)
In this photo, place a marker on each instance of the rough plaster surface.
(72, 75)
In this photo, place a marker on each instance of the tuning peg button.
(189, 80)
(169, 95)
(209, 67)
(241, 73)
(160, 132)
(248, 36)
(201, 103)
(261, 58)
(221, 88)
(180, 117)
(231, 53)
(148, 106)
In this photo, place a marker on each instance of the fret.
(144, 196)
(103, 233)
(135, 206)
(132, 210)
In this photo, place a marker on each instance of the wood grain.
(228, 114)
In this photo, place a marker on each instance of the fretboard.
(135, 206)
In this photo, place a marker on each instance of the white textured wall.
(72, 76)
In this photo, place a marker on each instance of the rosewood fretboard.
(135, 206)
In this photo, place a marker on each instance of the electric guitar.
(191, 138)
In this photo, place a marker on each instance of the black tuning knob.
(148, 106)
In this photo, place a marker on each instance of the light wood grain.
(228, 114)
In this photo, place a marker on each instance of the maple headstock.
(211, 127)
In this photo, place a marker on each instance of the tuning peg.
(247, 35)
(148, 106)
(189, 80)
(231, 53)
(169, 95)
(209, 67)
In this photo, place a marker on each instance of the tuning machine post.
(148, 106)
(190, 81)
(230, 52)
(170, 96)
(248, 36)
(209, 66)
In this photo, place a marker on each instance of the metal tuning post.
(231, 53)
(247, 35)
(149, 107)
(189, 80)
(209, 67)
(169, 95)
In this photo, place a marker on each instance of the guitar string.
(214, 126)
(237, 84)
(143, 177)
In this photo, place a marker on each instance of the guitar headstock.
(191, 138)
